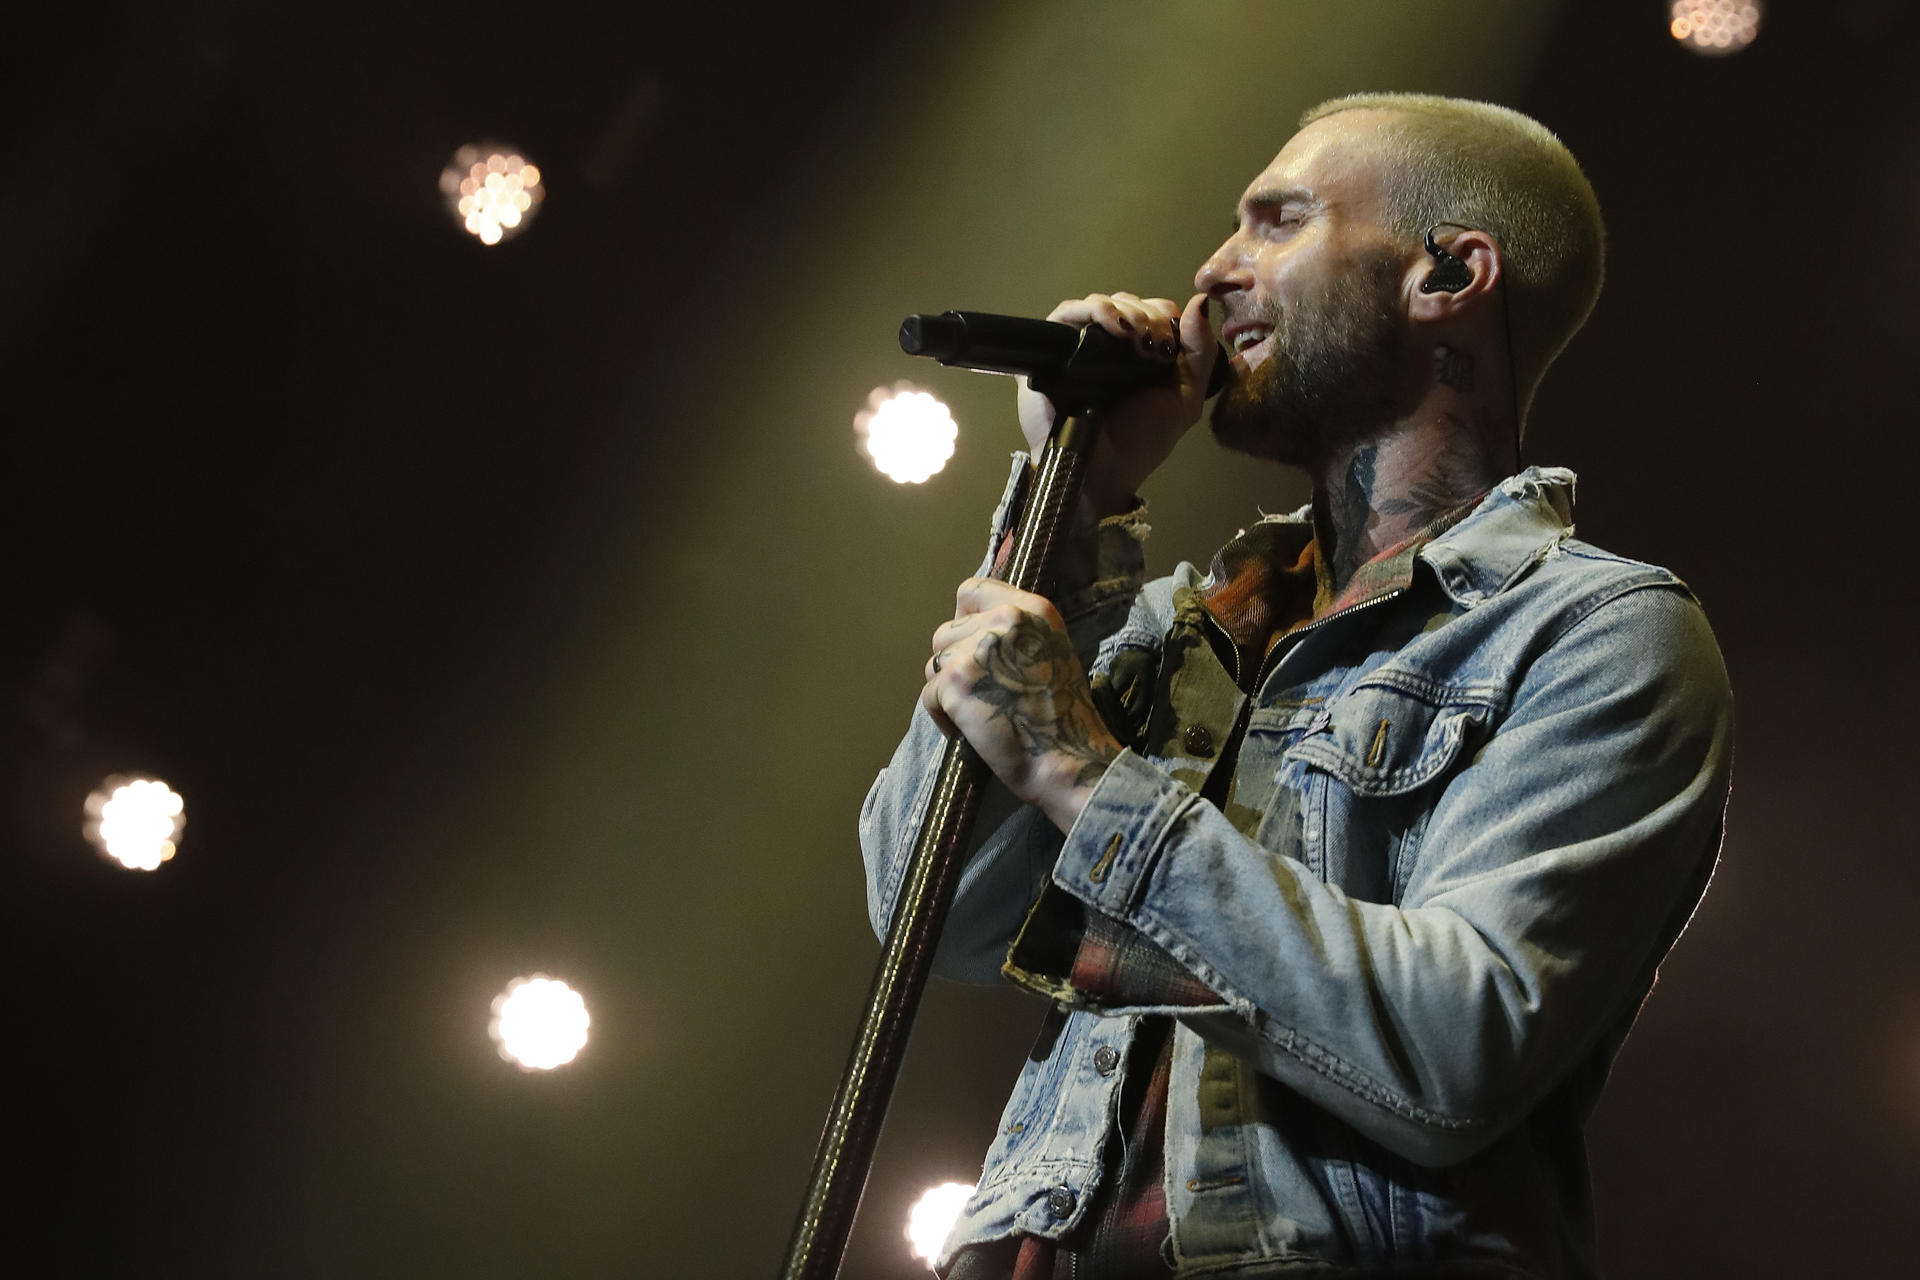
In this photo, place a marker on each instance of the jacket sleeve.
(1013, 847)
(1555, 869)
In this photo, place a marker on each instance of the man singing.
(1346, 864)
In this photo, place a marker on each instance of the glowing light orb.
(492, 190)
(539, 1023)
(135, 821)
(931, 1219)
(1715, 27)
(908, 434)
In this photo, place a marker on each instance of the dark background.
(529, 608)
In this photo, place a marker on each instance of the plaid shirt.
(1264, 584)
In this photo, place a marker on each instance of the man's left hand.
(1005, 677)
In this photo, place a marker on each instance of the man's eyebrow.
(1270, 200)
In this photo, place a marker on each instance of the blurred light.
(135, 821)
(931, 1220)
(539, 1023)
(492, 190)
(1715, 27)
(908, 434)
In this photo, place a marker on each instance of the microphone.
(1077, 368)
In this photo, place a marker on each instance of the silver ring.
(936, 664)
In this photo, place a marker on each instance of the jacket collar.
(1474, 557)
(1519, 521)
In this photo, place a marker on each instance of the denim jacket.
(1467, 820)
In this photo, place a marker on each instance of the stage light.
(1715, 27)
(135, 821)
(492, 190)
(931, 1220)
(539, 1023)
(907, 433)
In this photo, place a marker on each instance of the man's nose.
(1224, 272)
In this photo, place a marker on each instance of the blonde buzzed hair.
(1454, 160)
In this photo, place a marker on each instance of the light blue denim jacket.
(1481, 810)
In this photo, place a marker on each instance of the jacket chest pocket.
(1367, 774)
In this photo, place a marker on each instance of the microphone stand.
(845, 1154)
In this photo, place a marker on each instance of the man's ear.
(1460, 277)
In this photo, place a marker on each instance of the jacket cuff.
(1077, 946)
(1120, 834)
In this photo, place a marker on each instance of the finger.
(1157, 321)
(1196, 330)
(1153, 325)
(930, 700)
(1197, 344)
(1074, 311)
(1165, 307)
(1108, 314)
(949, 634)
(977, 595)
(1150, 324)
(995, 607)
(961, 594)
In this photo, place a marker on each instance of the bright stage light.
(135, 821)
(492, 191)
(931, 1220)
(1715, 27)
(539, 1023)
(908, 434)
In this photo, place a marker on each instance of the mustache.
(1263, 313)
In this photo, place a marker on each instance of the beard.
(1333, 374)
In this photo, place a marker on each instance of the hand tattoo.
(1030, 677)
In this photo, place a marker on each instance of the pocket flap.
(1380, 740)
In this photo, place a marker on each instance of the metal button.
(1106, 1059)
(1198, 740)
(1060, 1201)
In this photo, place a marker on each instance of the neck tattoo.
(1453, 368)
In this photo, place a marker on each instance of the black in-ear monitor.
(1450, 274)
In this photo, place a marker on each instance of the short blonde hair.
(1453, 160)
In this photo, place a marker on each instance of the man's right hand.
(1139, 433)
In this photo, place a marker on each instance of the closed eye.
(1266, 221)
(1286, 207)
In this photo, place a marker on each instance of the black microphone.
(1077, 368)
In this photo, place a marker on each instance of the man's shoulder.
(1519, 544)
(1593, 606)
(1580, 569)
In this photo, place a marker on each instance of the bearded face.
(1334, 373)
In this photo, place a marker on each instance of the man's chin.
(1243, 423)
